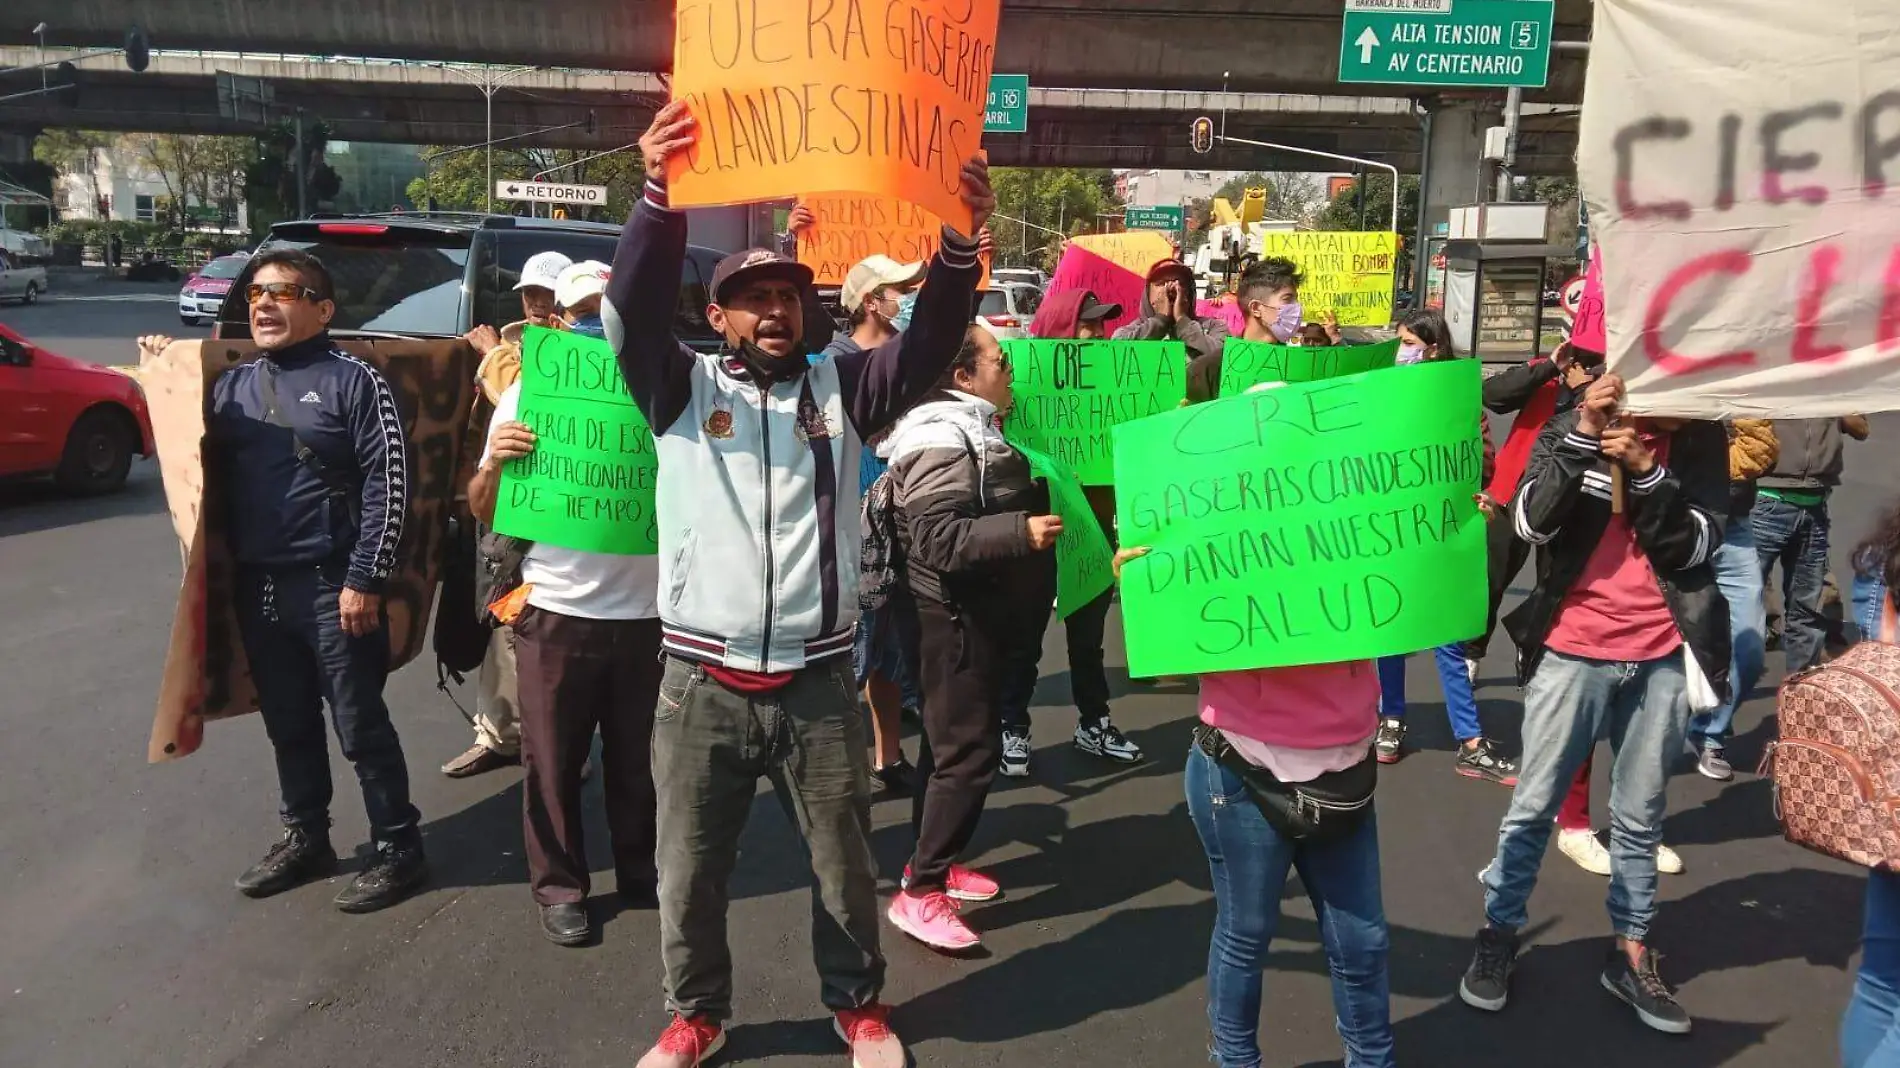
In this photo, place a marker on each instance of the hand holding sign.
(511, 441)
(671, 132)
(1043, 531)
(976, 194)
(1598, 410)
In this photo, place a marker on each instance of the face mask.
(1410, 354)
(589, 325)
(1287, 322)
(905, 305)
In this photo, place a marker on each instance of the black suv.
(440, 274)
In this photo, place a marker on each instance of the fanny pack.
(1321, 810)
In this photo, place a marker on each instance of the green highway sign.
(1007, 109)
(1447, 42)
(1154, 218)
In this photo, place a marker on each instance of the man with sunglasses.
(306, 461)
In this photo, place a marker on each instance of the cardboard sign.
(1071, 394)
(1114, 267)
(852, 226)
(1305, 524)
(588, 485)
(883, 98)
(1246, 364)
(207, 676)
(1084, 559)
(1346, 272)
(1741, 163)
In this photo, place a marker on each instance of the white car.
(1005, 310)
(20, 282)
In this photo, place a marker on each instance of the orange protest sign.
(883, 98)
(1135, 250)
(851, 226)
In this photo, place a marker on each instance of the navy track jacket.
(279, 513)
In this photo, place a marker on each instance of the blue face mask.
(905, 305)
(589, 325)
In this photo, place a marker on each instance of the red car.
(79, 422)
(204, 291)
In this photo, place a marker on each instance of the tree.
(1344, 212)
(270, 180)
(196, 170)
(74, 153)
(1065, 200)
(457, 178)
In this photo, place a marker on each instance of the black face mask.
(765, 368)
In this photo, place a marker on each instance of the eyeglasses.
(279, 292)
(1002, 362)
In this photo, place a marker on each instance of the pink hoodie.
(1314, 706)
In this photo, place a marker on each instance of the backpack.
(1836, 764)
(879, 553)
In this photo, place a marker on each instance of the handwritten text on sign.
(876, 96)
(1749, 225)
(588, 484)
(1109, 281)
(1071, 394)
(1305, 524)
(1347, 273)
(1084, 559)
(851, 226)
(1246, 364)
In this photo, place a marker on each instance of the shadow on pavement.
(30, 507)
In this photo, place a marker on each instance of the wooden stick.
(1616, 489)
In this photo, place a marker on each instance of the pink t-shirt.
(1297, 722)
(1616, 610)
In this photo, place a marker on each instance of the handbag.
(1318, 811)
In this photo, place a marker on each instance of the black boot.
(299, 857)
(395, 872)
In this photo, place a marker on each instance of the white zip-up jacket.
(757, 500)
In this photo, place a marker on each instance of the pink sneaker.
(964, 884)
(868, 1032)
(931, 918)
(687, 1042)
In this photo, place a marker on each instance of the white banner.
(1741, 159)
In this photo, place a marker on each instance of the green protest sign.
(588, 484)
(1246, 364)
(1309, 524)
(1071, 394)
(1084, 560)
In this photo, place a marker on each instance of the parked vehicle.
(204, 290)
(18, 281)
(79, 422)
(1005, 310)
(440, 274)
(1028, 276)
(150, 268)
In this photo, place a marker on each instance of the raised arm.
(1510, 390)
(644, 287)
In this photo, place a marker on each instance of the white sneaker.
(1668, 861)
(1103, 740)
(1583, 847)
(1471, 670)
(1015, 754)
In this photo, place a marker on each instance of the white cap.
(543, 269)
(588, 278)
(873, 273)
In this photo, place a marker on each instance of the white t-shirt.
(575, 583)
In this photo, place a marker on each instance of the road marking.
(129, 298)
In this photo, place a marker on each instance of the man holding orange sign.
(756, 447)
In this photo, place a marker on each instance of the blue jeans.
(1570, 703)
(1250, 861)
(1739, 575)
(1797, 537)
(1461, 704)
(1870, 1031)
(1870, 600)
(879, 646)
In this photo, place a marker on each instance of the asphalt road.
(122, 942)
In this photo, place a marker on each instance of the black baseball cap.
(1094, 309)
(753, 264)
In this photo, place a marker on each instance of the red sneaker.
(687, 1042)
(868, 1032)
(964, 884)
(931, 918)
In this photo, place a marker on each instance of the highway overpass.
(1270, 46)
(420, 103)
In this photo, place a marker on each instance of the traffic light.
(1201, 135)
(592, 125)
(138, 51)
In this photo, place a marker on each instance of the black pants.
(960, 665)
(1086, 630)
(577, 675)
(1505, 556)
(292, 629)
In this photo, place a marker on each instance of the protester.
(1269, 295)
(1752, 452)
(1076, 314)
(497, 724)
(872, 292)
(750, 442)
(1624, 630)
(1870, 1028)
(304, 448)
(1425, 337)
(1271, 741)
(1170, 316)
(977, 561)
(1876, 558)
(1790, 521)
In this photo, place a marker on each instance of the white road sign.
(551, 192)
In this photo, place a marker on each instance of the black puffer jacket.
(1563, 507)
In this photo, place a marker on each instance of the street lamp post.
(489, 83)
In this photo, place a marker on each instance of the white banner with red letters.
(1741, 160)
